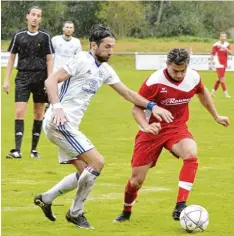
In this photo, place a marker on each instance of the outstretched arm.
(207, 102)
(138, 100)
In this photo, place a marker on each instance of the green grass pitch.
(110, 126)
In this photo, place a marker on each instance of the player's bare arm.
(207, 102)
(50, 64)
(51, 85)
(140, 118)
(135, 98)
(10, 64)
(212, 58)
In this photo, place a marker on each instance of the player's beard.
(68, 35)
(102, 59)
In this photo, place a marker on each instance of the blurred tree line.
(127, 19)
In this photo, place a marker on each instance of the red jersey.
(171, 95)
(221, 53)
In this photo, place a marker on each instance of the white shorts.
(70, 141)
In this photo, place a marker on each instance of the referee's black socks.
(36, 131)
(19, 132)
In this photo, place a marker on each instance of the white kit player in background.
(65, 46)
(83, 75)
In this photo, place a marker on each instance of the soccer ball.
(194, 218)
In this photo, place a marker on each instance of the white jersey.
(87, 76)
(64, 50)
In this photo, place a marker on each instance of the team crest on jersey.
(93, 84)
(92, 87)
(163, 90)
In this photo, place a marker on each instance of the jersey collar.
(32, 33)
(96, 61)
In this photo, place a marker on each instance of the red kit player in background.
(221, 49)
(171, 88)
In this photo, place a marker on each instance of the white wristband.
(57, 105)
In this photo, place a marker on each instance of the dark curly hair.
(99, 32)
(178, 56)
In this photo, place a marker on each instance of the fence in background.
(155, 60)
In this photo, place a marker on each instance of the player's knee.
(191, 153)
(221, 80)
(98, 164)
(19, 113)
(38, 114)
(136, 181)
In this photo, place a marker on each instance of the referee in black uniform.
(35, 64)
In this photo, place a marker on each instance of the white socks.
(85, 185)
(67, 184)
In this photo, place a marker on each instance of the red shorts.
(148, 146)
(221, 72)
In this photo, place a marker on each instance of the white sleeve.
(112, 77)
(53, 40)
(74, 65)
(79, 47)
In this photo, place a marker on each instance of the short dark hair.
(67, 22)
(99, 32)
(178, 56)
(33, 7)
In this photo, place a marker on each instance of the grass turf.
(110, 126)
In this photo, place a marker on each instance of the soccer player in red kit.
(171, 88)
(221, 49)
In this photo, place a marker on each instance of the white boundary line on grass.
(109, 196)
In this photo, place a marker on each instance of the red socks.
(130, 196)
(186, 178)
(216, 85)
(224, 86)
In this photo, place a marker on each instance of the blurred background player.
(65, 46)
(35, 63)
(172, 88)
(221, 50)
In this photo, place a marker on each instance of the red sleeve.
(214, 50)
(200, 87)
(148, 91)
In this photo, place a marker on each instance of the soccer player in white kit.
(65, 45)
(83, 75)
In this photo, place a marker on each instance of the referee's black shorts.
(31, 82)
